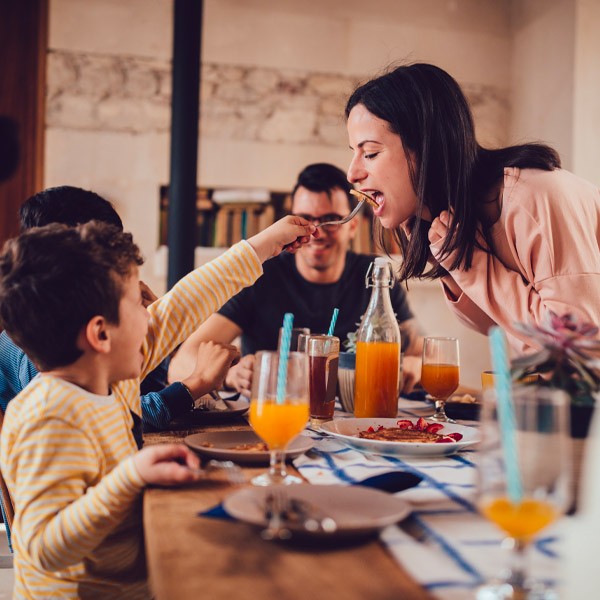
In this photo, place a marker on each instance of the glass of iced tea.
(278, 418)
(523, 478)
(323, 353)
(440, 372)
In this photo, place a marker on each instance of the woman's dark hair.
(54, 279)
(450, 170)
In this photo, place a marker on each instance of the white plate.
(347, 430)
(356, 510)
(223, 443)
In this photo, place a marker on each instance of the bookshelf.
(240, 214)
(224, 217)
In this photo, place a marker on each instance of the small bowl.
(468, 411)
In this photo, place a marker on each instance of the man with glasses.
(322, 275)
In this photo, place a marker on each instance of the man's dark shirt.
(258, 310)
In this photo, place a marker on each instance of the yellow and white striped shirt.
(67, 457)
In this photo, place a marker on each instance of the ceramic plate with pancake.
(227, 445)
(347, 430)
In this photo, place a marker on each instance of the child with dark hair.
(161, 403)
(70, 297)
(510, 234)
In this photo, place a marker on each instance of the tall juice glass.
(440, 372)
(377, 378)
(277, 423)
(524, 499)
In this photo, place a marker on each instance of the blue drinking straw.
(334, 316)
(506, 413)
(284, 353)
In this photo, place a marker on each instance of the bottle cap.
(382, 261)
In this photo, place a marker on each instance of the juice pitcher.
(378, 348)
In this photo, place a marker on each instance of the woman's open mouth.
(380, 200)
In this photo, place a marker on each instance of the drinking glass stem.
(277, 470)
(439, 408)
(517, 573)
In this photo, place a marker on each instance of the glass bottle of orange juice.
(377, 376)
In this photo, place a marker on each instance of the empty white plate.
(356, 510)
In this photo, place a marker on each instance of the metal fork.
(346, 218)
(340, 222)
(310, 517)
(275, 505)
(235, 475)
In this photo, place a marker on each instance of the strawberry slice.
(405, 424)
(434, 427)
(421, 424)
(455, 436)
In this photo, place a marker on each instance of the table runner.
(461, 549)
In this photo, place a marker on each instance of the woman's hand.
(439, 227)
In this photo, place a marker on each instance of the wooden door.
(23, 31)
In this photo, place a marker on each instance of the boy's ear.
(96, 335)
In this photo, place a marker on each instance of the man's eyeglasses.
(323, 219)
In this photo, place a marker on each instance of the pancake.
(395, 434)
(362, 196)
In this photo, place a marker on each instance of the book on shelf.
(241, 196)
(226, 216)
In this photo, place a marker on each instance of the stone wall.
(95, 92)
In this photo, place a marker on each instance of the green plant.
(349, 343)
(569, 358)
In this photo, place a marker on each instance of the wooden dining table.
(191, 556)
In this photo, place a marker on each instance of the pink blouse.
(546, 256)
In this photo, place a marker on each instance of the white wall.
(556, 79)
(586, 103)
(109, 91)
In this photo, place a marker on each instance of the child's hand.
(291, 231)
(240, 376)
(167, 464)
(212, 363)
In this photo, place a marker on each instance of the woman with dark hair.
(510, 234)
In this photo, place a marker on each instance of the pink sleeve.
(468, 313)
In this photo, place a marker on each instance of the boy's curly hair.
(54, 279)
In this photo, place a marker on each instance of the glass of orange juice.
(531, 495)
(440, 373)
(278, 420)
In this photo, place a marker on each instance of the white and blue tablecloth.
(458, 549)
